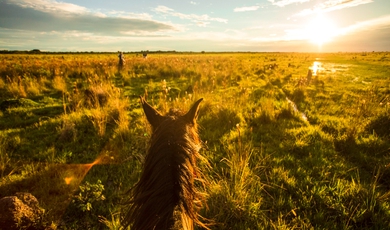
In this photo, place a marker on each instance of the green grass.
(280, 152)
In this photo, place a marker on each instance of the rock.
(20, 212)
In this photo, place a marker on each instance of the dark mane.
(166, 185)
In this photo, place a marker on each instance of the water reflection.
(316, 67)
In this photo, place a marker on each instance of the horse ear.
(192, 114)
(153, 116)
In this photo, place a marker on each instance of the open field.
(282, 150)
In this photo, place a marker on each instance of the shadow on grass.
(218, 121)
(368, 154)
(56, 187)
(12, 119)
(52, 184)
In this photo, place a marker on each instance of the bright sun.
(321, 30)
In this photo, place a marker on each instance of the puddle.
(318, 67)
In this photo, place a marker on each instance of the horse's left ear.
(192, 114)
(152, 115)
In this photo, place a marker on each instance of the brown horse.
(166, 186)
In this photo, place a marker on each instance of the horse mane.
(166, 185)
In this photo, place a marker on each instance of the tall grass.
(233, 193)
(281, 152)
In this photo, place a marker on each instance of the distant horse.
(121, 60)
(166, 186)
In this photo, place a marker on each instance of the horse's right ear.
(153, 116)
(192, 115)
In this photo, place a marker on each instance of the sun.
(321, 30)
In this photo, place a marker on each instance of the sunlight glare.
(321, 30)
(315, 67)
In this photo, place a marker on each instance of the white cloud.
(50, 15)
(373, 24)
(193, 3)
(192, 17)
(332, 5)
(246, 8)
(130, 15)
(254, 28)
(50, 6)
(211, 36)
(282, 3)
(164, 9)
(69, 9)
(202, 24)
(143, 34)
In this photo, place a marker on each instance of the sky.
(196, 25)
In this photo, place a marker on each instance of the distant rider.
(121, 57)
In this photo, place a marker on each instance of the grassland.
(281, 151)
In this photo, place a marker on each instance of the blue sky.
(196, 25)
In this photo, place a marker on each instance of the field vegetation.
(283, 149)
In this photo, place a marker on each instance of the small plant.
(89, 194)
(114, 223)
(99, 118)
(59, 84)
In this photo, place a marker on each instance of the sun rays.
(321, 30)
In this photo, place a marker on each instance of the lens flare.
(68, 180)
